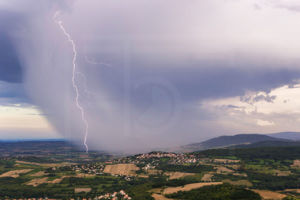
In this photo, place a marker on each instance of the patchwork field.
(121, 169)
(15, 173)
(40, 173)
(159, 197)
(44, 164)
(37, 181)
(269, 195)
(214, 174)
(221, 169)
(296, 164)
(188, 187)
(78, 190)
(177, 175)
(207, 177)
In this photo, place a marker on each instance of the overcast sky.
(150, 73)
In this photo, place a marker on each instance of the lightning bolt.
(74, 83)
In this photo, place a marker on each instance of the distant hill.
(229, 141)
(287, 135)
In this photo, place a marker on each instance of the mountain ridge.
(244, 140)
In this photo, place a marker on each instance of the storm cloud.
(144, 68)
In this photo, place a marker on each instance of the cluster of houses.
(150, 161)
(173, 158)
(95, 168)
(157, 155)
(115, 196)
(153, 159)
(181, 158)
